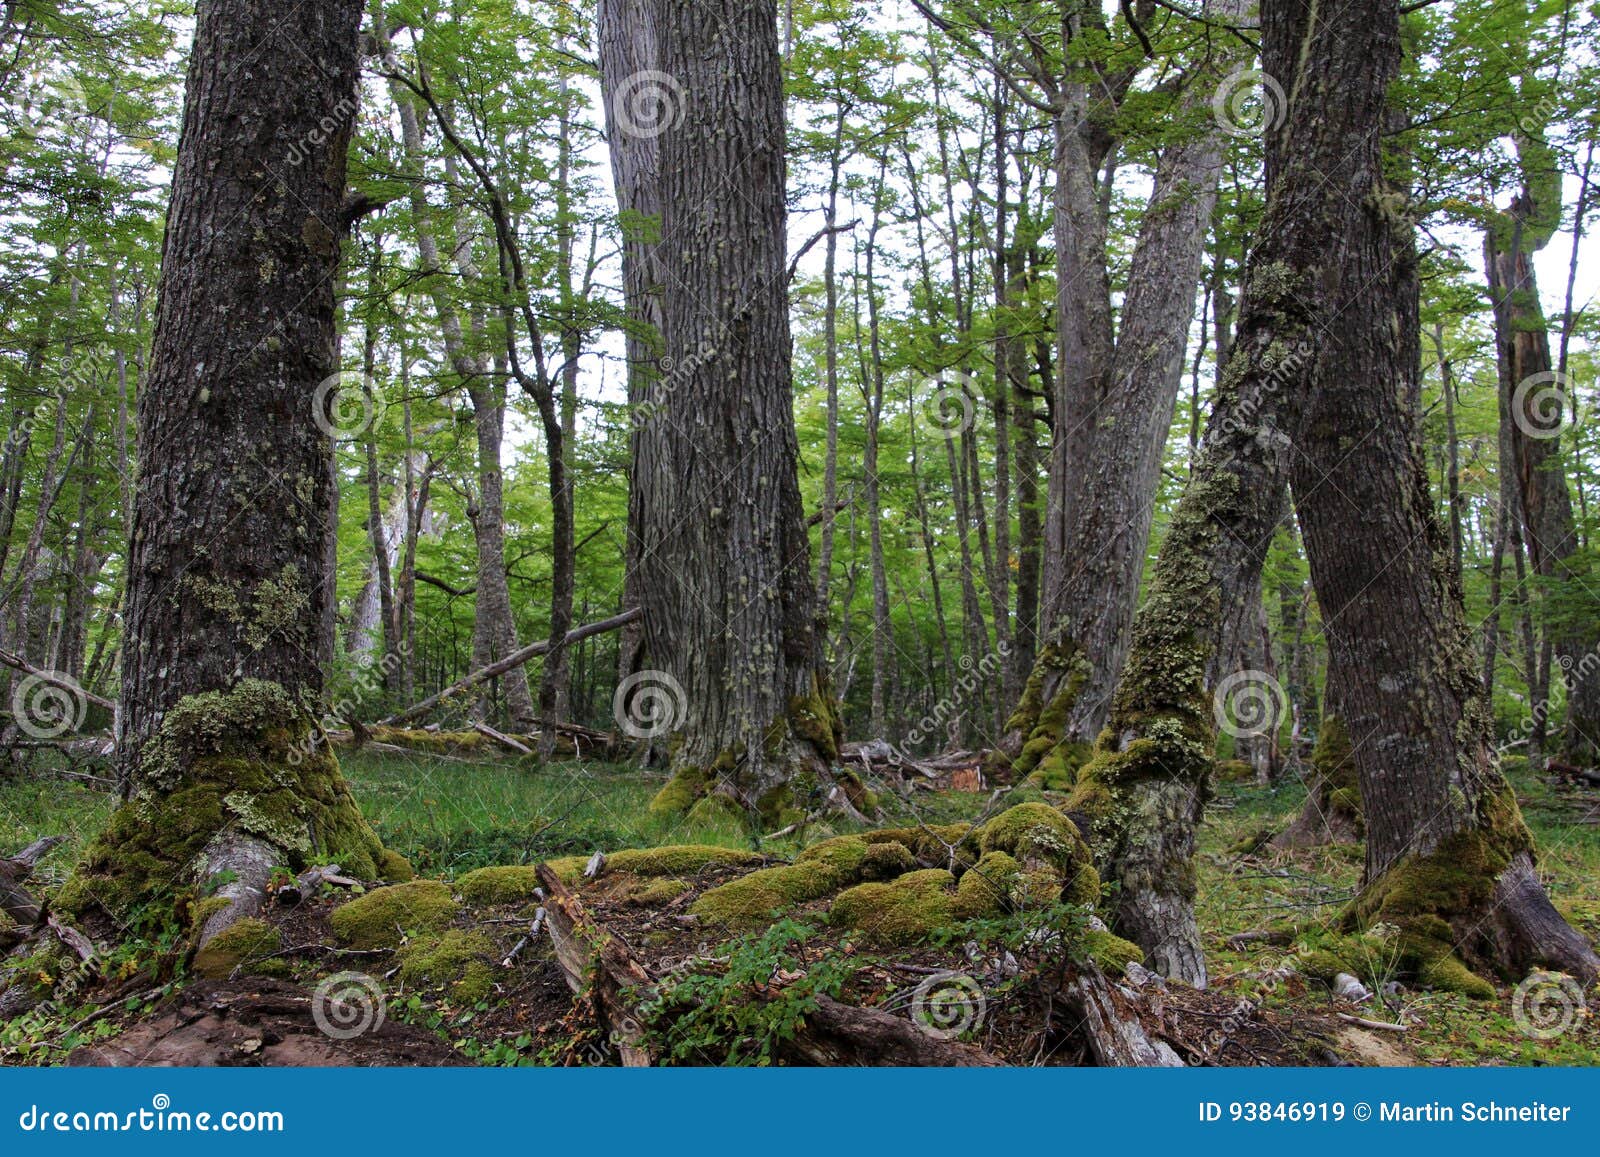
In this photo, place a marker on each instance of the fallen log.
(15, 900)
(1111, 1024)
(501, 738)
(838, 1034)
(589, 955)
(510, 662)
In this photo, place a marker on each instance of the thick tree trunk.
(226, 565)
(724, 563)
(1536, 402)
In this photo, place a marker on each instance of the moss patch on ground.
(383, 918)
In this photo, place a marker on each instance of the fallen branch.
(510, 662)
(55, 680)
(1379, 1025)
(502, 738)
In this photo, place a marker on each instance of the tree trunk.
(1115, 397)
(1146, 786)
(226, 565)
(724, 562)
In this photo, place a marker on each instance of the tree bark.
(226, 564)
(724, 562)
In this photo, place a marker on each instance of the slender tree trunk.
(226, 567)
(1116, 394)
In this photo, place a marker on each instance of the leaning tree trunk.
(724, 563)
(1536, 400)
(1145, 789)
(1449, 861)
(226, 568)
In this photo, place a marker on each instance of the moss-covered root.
(1035, 746)
(230, 785)
(1474, 898)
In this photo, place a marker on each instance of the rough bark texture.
(1147, 784)
(1115, 395)
(220, 668)
(724, 563)
(627, 49)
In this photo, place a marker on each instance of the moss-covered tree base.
(1035, 747)
(1332, 813)
(226, 769)
(794, 774)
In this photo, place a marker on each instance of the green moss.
(462, 963)
(815, 718)
(1234, 771)
(680, 860)
(1111, 952)
(680, 793)
(382, 918)
(1047, 758)
(504, 885)
(985, 889)
(904, 911)
(394, 868)
(235, 760)
(718, 809)
(568, 869)
(1036, 832)
(434, 742)
(237, 946)
(819, 871)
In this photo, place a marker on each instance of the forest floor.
(451, 817)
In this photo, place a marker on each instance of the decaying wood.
(1379, 1025)
(836, 1033)
(309, 881)
(15, 901)
(954, 770)
(1110, 1021)
(589, 956)
(511, 661)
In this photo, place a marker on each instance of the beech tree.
(220, 663)
(723, 563)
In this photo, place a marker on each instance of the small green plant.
(758, 999)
